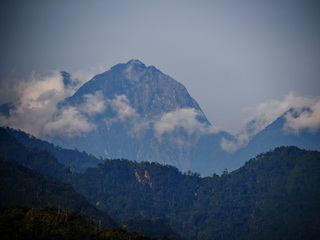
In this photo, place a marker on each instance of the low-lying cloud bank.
(34, 102)
(35, 109)
(304, 114)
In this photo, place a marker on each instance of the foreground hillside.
(53, 223)
(22, 186)
(273, 196)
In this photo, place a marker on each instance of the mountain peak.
(135, 62)
(135, 65)
(134, 70)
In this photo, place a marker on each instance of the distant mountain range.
(137, 112)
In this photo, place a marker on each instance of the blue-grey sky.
(230, 55)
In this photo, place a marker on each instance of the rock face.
(139, 113)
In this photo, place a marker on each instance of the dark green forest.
(273, 196)
(22, 186)
(53, 223)
(77, 161)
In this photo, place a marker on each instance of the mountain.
(139, 113)
(149, 91)
(274, 135)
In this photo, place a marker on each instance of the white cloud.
(121, 105)
(212, 129)
(70, 122)
(37, 113)
(94, 103)
(35, 102)
(38, 86)
(266, 113)
(185, 118)
(35, 107)
(307, 118)
(231, 146)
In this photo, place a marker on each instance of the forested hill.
(273, 196)
(32, 177)
(76, 160)
(22, 186)
(53, 223)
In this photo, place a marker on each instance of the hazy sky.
(230, 55)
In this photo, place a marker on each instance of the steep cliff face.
(138, 112)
